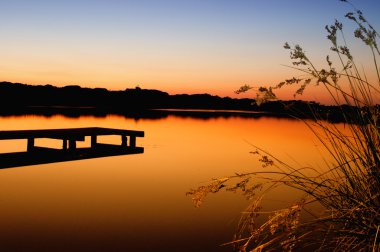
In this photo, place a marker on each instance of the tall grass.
(349, 188)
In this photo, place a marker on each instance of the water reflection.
(138, 202)
(152, 114)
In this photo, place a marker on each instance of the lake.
(138, 202)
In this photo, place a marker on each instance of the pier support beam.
(64, 144)
(72, 144)
(132, 142)
(93, 141)
(30, 146)
(124, 141)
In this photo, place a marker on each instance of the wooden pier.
(69, 151)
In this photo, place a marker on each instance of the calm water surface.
(138, 202)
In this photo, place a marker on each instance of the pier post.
(132, 141)
(93, 141)
(30, 144)
(72, 144)
(124, 141)
(64, 144)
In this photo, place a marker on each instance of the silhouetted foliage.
(346, 186)
(73, 100)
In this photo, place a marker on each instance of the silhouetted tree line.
(18, 98)
(22, 95)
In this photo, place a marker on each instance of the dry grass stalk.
(349, 190)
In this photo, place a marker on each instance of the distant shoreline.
(18, 98)
(210, 111)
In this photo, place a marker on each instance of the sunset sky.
(178, 46)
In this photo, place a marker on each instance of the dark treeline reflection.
(74, 101)
(150, 114)
(147, 114)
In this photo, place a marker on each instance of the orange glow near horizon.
(222, 84)
(221, 81)
(224, 88)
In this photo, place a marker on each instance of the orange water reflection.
(138, 202)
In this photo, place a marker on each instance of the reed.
(349, 188)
